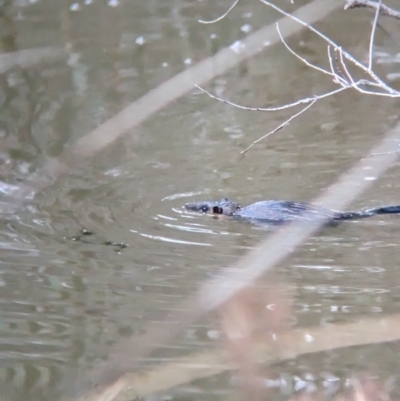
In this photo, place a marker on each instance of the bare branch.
(222, 16)
(371, 42)
(301, 58)
(309, 101)
(286, 106)
(347, 55)
(330, 59)
(344, 67)
(339, 72)
(287, 122)
(347, 80)
(383, 9)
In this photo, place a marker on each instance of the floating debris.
(246, 28)
(237, 47)
(140, 41)
(75, 7)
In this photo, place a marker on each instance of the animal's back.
(273, 211)
(282, 211)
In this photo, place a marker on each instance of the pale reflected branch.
(288, 345)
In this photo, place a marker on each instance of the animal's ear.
(218, 210)
(224, 200)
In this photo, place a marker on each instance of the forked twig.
(302, 59)
(340, 73)
(346, 54)
(343, 66)
(287, 122)
(278, 108)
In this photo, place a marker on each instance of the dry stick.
(284, 124)
(310, 100)
(371, 41)
(346, 54)
(222, 16)
(384, 10)
(356, 85)
(336, 78)
(214, 293)
(277, 108)
(386, 90)
(390, 92)
(288, 345)
(302, 59)
(340, 80)
(247, 108)
(158, 98)
(345, 72)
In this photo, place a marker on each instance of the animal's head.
(224, 206)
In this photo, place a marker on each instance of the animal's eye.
(218, 210)
(204, 209)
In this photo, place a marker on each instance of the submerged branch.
(288, 345)
(216, 292)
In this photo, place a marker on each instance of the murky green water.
(64, 303)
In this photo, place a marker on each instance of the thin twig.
(287, 122)
(279, 108)
(311, 28)
(222, 16)
(344, 67)
(383, 9)
(365, 82)
(328, 49)
(320, 69)
(347, 55)
(371, 42)
(337, 67)
(345, 81)
(286, 106)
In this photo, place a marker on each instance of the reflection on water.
(64, 303)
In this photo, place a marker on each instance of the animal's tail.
(368, 213)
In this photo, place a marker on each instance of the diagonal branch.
(383, 9)
(284, 124)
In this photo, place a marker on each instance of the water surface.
(64, 303)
